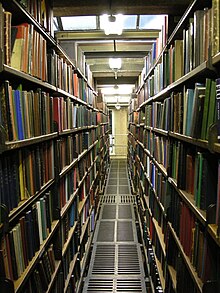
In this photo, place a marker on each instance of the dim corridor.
(116, 263)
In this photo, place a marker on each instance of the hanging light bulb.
(117, 105)
(112, 24)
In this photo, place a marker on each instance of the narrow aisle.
(116, 261)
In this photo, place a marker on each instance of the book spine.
(218, 107)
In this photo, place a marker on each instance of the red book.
(76, 85)
(56, 112)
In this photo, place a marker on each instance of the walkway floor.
(116, 263)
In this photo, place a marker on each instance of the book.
(187, 110)
(178, 59)
(19, 114)
(215, 27)
(2, 55)
(5, 111)
(7, 37)
(17, 50)
(206, 108)
(12, 253)
(217, 220)
(218, 107)
(29, 234)
(211, 119)
(197, 111)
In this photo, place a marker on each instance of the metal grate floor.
(116, 260)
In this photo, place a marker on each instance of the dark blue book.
(29, 233)
(72, 215)
(19, 117)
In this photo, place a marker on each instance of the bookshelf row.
(63, 216)
(30, 52)
(53, 155)
(165, 210)
(190, 113)
(173, 151)
(187, 176)
(194, 41)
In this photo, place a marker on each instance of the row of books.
(25, 49)
(193, 239)
(24, 239)
(71, 146)
(70, 182)
(39, 278)
(187, 53)
(24, 172)
(41, 11)
(69, 115)
(153, 270)
(196, 173)
(70, 257)
(159, 190)
(176, 262)
(28, 49)
(157, 47)
(25, 114)
(195, 242)
(69, 220)
(190, 112)
(62, 75)
(157, 146)
(67, 185)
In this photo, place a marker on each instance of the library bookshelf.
(173, 154)
(54, 155)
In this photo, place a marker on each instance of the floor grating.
(116, 260)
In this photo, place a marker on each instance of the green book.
(211, 112)
(199, 179)
(206, 108)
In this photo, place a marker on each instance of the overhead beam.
(100, 35)
(118, 54)
(111, 80)
(88, 7)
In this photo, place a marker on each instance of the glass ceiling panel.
(79, 22)
(151, 21)
(130, 21)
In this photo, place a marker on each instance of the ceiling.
(89, 7)
(132, 46)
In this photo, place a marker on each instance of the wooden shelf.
(19, 283)
(212, 229)
(199, 71)
(197, 142)
(71, 268)
(53, 277)
(190, 267)
(11, 72)
(85, 225)
(25, 204)
(70, 236)
(160, 236)
(12, 145)
(189, 200)
(216, 59)
(172, 273)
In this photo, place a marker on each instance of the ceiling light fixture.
(115, 63)
(117, 105)
(112, 24)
